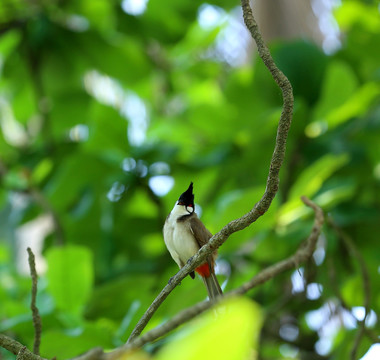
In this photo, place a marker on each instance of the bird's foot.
(190, 259)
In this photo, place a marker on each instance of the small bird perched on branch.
(185, 234)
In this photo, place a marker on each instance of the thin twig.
(36, 315)
(272, 181)
(303, 254)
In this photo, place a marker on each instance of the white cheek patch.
(179, 210)
(189, 209)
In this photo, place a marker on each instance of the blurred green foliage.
(106, 116)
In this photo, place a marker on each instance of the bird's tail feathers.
(212, 285)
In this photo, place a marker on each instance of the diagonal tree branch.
(303, 254)
(272, 181)
(15, 348)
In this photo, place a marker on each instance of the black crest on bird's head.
(187, 198)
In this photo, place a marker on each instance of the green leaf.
(9, 41)
(4, 254)
(130, 294)
(333, 196)
(312, 178)
(42, 170)
(70, 276)
(99, 12)
(358, 104)
(228, 332)
(67, 344)
(358, 12)
(296, 59)
(308, 184)
(238, 202)
(352, 291)
(339, 84)
(16, 179)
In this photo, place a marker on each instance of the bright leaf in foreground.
(229, 332)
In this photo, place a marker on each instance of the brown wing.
(202, 236)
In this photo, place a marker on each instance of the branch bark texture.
(272, 181)
(15, 348)
(36, 315)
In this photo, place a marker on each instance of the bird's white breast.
(178, 236)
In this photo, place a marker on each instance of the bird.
(184, 234)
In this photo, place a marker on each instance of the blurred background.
(109, 108)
